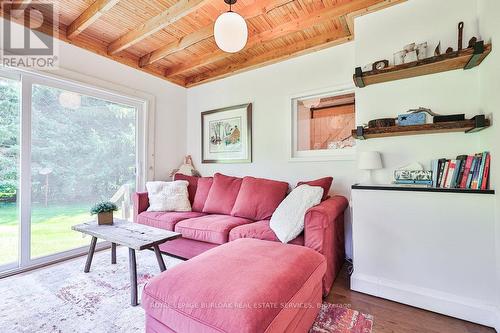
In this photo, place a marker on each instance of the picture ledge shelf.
(462, 59)
(409, 188)
(475, 124)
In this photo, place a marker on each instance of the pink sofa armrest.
(141, 203)
(324, 232)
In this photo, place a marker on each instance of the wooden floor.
(395, 317)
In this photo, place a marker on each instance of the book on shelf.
(452, 168)
(461, 160)
(486, 179)
(446, 170)
(465, 172)
(465, 175)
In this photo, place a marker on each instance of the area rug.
(61, 298)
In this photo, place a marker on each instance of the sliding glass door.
(66, 148)
(82, 151)
(10, 115)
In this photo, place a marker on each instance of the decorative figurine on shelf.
(413, 174)
(437, 51)
(415, 116)
(104, 211)
(411, 53)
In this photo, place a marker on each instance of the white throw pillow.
(168, 196)
(287, 221)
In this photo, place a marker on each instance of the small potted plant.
(104, 211)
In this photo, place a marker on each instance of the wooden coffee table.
(132, 235)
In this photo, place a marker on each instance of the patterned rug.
(61, 298)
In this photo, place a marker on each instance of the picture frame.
(226, 135)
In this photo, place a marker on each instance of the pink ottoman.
(246, 285)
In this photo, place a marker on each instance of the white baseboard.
(472, 310)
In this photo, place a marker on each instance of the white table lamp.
(369, 160)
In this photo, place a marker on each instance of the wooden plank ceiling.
(173, 39)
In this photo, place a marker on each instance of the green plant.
(103, 207)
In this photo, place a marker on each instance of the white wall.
(380, 34)
(429, 250)
(269, 89)
(377, 35)
(490, 100)
(169, 100)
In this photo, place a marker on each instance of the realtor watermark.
(30, 35)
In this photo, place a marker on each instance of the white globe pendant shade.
(230, 32)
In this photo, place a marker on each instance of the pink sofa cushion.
(193, 183)
(210, 228)
(165, 220)
(259, 230)
(285, 276)
(325, 183)
(258, 198)
(204, 185)
(222, 194)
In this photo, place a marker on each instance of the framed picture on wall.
(226, 135)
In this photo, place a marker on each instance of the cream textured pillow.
(168, 196)
(287, 221)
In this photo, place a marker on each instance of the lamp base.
(230, 2)
(368, 180)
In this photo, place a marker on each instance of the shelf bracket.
(360, 133)
(476, 56)
(479, 124)
(358, 78)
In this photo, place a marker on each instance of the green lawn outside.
(50, 229)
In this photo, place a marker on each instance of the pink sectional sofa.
(228, 208)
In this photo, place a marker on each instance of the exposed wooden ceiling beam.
(301, 23)
(307, 46)
(256, 9)
(89, 16)
(171, 15)
(89, 44)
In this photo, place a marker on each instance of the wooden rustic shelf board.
(463, 59)
(468, 126)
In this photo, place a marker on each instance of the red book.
(450, 173)
(468, 164)
(445, 175)
(486, 173)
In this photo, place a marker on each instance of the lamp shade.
(369, 160)
(230, 32)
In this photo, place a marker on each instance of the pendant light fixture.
(230, 30)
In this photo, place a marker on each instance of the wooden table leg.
(113, 253)
(90, 255)
(133, 277)
(159, 258)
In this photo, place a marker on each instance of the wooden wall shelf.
(391, 187)
(475, 124)
(463, 59)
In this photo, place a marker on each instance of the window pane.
(9, 170)
(325, 122)
(83, 151)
